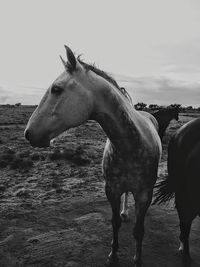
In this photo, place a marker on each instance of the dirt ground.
(53, 209)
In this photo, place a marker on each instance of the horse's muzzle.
(27, 134)
(41, 142)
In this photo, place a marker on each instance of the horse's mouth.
(41, 143)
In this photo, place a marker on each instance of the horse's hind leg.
(184, 237)
(142, 203)
(115, 200)
(124, 212)
(186, 218)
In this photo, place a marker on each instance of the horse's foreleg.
(142, 203)
(114, 200)
(124, 212)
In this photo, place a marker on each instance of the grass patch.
(9, 157)
(76, 156)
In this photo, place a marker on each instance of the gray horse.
(133, 147)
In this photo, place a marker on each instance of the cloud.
(13, 95)
(182, 69)
(4, 95)
(160, 90)
(163, 90)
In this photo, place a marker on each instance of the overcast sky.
(155, 44)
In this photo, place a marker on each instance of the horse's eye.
(56, 90)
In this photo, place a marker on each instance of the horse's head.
(175, 113)
(67, 103)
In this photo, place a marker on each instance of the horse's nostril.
(27, 135)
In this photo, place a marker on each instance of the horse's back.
(149, 131)
(150, 140)
(151, 118)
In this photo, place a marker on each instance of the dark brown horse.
(163, 117)
(183, 179)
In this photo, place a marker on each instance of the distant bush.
(75, 156)
(20, 163)
(18, 104)
(3, 163)
(154, 106)
(22, 192)
(140, 106)
(8, 157)
(56, 154)
(35, 156)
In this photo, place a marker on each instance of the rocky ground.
(53, 209)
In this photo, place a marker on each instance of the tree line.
(144, 106)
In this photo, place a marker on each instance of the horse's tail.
(164, 190)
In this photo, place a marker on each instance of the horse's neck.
(164, 120)
(118, 119)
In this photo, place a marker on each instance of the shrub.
(21, 163)
(75, 156)
(3, 163)
(35, 156)
(54, 155)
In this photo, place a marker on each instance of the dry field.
(53, 210)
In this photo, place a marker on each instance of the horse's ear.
(71, 59)
(72, 64)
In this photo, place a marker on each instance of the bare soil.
(53, 209)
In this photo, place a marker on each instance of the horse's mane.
(106, 76)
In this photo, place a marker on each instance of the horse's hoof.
(181, 247)
(137, 262)
(187, 261)
(112, 260)
(124, 217)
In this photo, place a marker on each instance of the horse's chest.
(119, 172)
(129, 171)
